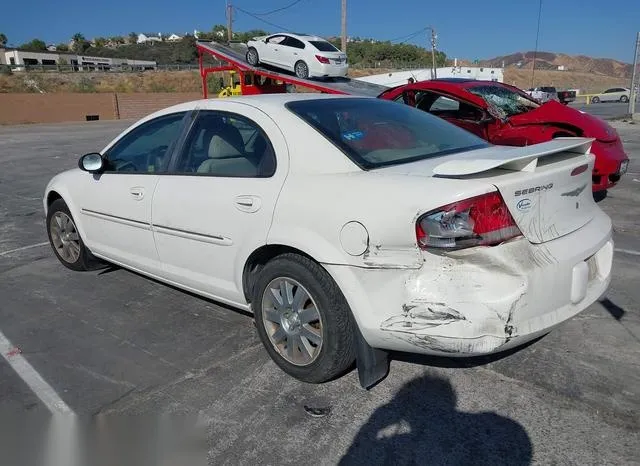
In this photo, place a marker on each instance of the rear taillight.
(322, 59)
(479, 221)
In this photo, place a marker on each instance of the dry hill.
(551, 61)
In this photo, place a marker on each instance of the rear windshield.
(375, 133)
(323, 46)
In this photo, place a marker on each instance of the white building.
(143, 39)
(174, 38)
(397, 78)
(18, 59)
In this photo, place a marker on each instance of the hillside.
(189, 81)
(551, 61)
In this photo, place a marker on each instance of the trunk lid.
(336, 58)
(547, 186)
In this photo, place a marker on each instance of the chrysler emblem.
(575, 192)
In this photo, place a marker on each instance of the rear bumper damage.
(482, 300)
(610, 166)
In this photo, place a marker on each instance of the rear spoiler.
(512, 158)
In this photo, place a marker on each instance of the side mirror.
(91, 162)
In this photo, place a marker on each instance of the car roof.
(264, 102)
(301, 36)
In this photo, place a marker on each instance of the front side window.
(146, 149)
(375, 133)
(226, 144)
(275, 39)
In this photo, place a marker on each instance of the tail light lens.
(478, 221)
(322, 59)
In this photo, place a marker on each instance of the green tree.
(80, 43)
(100, 41)
(62, 47)
(246, 36)
(36, 45)
(133, 37)
(3, 39)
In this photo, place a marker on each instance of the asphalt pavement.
(113, 344)
(604, 110)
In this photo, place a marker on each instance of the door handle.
(137, 193)
(248, 203)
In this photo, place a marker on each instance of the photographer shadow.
(421, 426)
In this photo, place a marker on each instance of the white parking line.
(627, 251)
(31, 377)
(23, 248)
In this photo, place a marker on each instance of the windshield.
(503, 101)
(323, 46)
(375, 133)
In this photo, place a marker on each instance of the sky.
(466, 29)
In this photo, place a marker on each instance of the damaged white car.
(349, 226)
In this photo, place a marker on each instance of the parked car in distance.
(543, 94)
(546, 93)
(505, 115)
(306, 55)
(344, 224)
(614, 94)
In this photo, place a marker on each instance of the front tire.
(252, 57)
(595, 100)
(65, 239)
(624, 99)
(303, 319)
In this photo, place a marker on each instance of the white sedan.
(307, 56)
(348, 225)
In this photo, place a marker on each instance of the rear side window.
(323, 46)
(375, 133)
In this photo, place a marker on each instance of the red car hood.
(555, 112)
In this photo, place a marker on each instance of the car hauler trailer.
(261, 80)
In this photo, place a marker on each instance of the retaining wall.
(68, 107)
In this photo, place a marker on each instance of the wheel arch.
(259, 258)
(57, 191)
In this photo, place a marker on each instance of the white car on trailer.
(348, 225)
(306, 55)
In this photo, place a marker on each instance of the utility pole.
(635, 86)
(229, 21)
(344, 26)
(433, 52)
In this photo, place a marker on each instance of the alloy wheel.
(292, 321)
(65, 237)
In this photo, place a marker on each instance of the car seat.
(226, 154)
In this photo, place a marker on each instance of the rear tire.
(303, 319)
(65, 239)
(302, 70)
(624, 99)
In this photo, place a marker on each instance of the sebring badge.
(523, 204)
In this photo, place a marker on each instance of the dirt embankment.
(189, 81)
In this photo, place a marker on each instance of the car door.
(272, 49)
(115, 205)
(217, 206)
(292, 50)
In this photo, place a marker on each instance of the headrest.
(226, 142)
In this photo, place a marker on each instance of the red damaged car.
(506, 115)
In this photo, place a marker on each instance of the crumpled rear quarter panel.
(480, 300)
